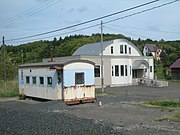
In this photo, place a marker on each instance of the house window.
(112, 71)
(49, 81)
(97, 71)
(129, 50)
(27, 80)
(122, 70)
(125, 49)
(126, 70)
(145, 70)
(116, 70)
(150, 68)
(111, 49)
(41, 80)
(33, 80)
(22, 76)
(79, 78)
(121, 49)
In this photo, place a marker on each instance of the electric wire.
(29, 13)
(85, 22)
(136, 13)
(140, 29)
(146, 10)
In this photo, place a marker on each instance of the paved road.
(117, 115)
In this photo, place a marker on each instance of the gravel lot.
(117, 115)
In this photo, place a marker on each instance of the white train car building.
(70, 81)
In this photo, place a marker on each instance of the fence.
(149, 82)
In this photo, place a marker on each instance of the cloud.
(153, 28)
(70, 10)
(82, 9)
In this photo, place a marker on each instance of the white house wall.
(121, 80)
(116, 49)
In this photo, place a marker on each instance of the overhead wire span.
(30, 12)
(85, 22)
(133, 14)
(146, 10)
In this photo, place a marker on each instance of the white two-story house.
(122, 62)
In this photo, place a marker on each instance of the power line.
(85, 22)
(136, 13)
(146, 10)
(30, 12)
(140, 29)
(65, 33)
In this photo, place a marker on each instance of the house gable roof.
(152, 47)
(94, 49)
(176, 64)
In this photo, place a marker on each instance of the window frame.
(48, 81)
(129, 50)
(126, 70)
(122, 70)
(34, 77)
(116, 70)
(112, 50)
(125, 49)
(97, 71)
(28, 80)
(77, 80)
(112, 70)
(121, 49)
(150, 69)
(40, 80)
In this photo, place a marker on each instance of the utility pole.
(22, 55)
(4, 48)
(102, 76)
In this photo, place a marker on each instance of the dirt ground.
(120, 111)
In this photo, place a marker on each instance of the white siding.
(121, 80)
(116, 49)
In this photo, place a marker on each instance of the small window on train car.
(27, 80)
(79, 78)
(49, 81)
(41, 80)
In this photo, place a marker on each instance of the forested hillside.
(36, 51)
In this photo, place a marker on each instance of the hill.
(36, 51)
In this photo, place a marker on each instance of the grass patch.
(10, 89)
(174, 81)
(176, 116)
(164, 103)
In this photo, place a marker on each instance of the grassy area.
(174, 81)
(10, 89)
(173, 107)
(164, 103)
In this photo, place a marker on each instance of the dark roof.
(176, 64)
(94, 49)
(152, 47)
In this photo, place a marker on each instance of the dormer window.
(111, 49)
(125, 49)
(121, 49)
(129, 50)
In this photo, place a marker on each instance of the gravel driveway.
(117, 115)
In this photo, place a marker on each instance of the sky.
(20, 18)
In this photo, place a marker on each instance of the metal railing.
(149, 82)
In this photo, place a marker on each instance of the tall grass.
(164, 103)
(9, 89)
